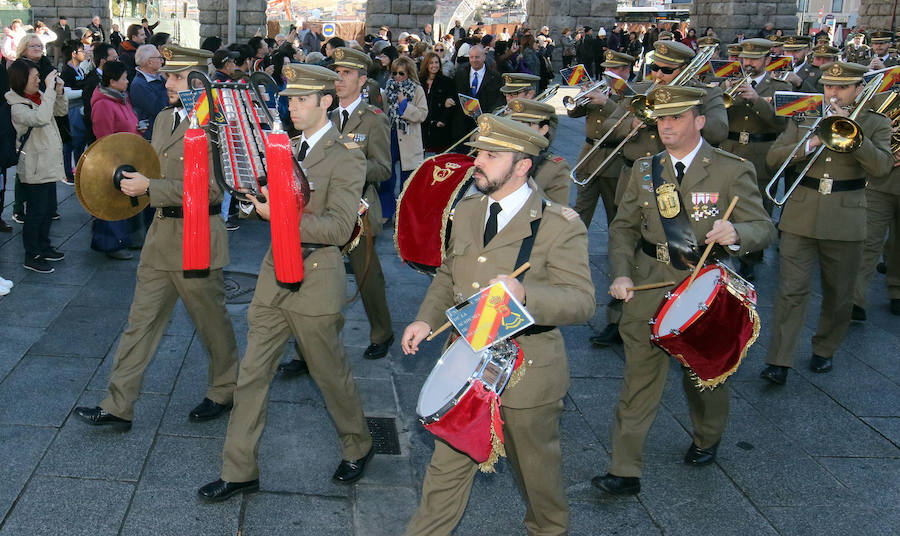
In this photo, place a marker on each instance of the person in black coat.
(103, 53)
(585, 50)
(441, 97)
(487, 93)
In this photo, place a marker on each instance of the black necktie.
(679, 171)
(753, 84)
(490, 229)
(177, 120)
(304, 147)
(345, 117)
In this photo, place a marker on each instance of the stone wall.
(251, 18)
(876, 14)
(399, 15)
(78, 12)
(727, 17)
(559, 14)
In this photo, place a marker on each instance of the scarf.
(114, 94)
(392, 91)
(35, 98)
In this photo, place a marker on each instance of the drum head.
(448, 377)
(689, 302)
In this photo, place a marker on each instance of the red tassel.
(285, 211)
(195, 239)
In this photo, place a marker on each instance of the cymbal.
(94, 183)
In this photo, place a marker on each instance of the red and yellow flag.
(617, 84)
(201, 107)
(802, 104)
(705, 69)
(891, 77)
(725, 68)
(780, 63)
(576, 75)
(492, 308)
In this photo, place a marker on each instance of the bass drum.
(425, 206)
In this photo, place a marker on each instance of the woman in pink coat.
(111, 113)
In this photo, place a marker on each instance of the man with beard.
(160, 279)
(493, 231)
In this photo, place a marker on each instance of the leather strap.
(178, 212)
(749, 137)
(680, 239)
(835, 186)
(528, 242)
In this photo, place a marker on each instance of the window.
(837, 6)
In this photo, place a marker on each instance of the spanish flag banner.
(727, 68)
(470, 105)
(619, 85)
(574, 75)
(489, 316)
(705, 69)
(791, 103)
(195, 100)
(891, 77)
(780, 63)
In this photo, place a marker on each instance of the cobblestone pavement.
(817, 456)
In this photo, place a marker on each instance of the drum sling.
(680, 239)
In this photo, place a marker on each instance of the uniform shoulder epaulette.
(350, 144)
(569, 213)
(730, 155)
(557, 159)
(376, 109)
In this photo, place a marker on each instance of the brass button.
(652, 136)
(482, 259)
(826, 175)
(475, 285)
(648, 154)
(828, 159)
(165, 155)
(746, 117)
(181, 158)
(315, 265)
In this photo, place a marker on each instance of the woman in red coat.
(111, 113)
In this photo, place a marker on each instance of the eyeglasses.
(439, 50)
(156, 58)
(398, 73)
(665, 70)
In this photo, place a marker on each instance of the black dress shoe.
(608, 337)
(221, 490)
(378, 350)
(697, 456)
(775, 374)
(820, 364)
(895, 307)
(100, 417)
(858, 314)
(617, 485)
(293, 368)
(207, 410)
(881, 267)
(349, 471)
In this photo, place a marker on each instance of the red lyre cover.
(286, 209)
(195, 239)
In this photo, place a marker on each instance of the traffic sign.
(328, 29)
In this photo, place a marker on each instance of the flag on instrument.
(195, 100)
(705, 69)
(891, 77)
(727, 68)
(791, 103)
(489, 316)
(470, 106)
(574, 75)
(780, 63)
(619, 85)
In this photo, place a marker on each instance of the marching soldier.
(734, 51)
(798, 47)
(524, 86)
(753, 125)
(508, 219)
(822, 55)
(617, 66)
(646, 245)
(311, 314)
(824, 220)
(882, 216)
(160, 279)
(552, 173)
(366, 126)
(881, 56)
(669, 59)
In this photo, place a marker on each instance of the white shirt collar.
(312, 140)
(350, 109)
(149, 77)
(182, 113)
(480, 74)
(797, 68)
(510, 204)
(687, 160)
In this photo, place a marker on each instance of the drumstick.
(649, 286)
(697, 268)
(518, 271)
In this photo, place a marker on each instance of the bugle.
(729, 96)
(581, 98)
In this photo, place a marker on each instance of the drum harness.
(523, 257)
(681, 243)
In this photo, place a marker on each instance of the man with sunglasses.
(753, 125)
(669, 58)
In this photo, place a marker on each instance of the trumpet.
(729, 96)
(837, 133)
(582, 99)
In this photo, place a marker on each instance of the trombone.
(582, 99)
(837, 133)
(544, 96)
(642, 109)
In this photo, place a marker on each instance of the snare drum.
(709, 325)
(459, 401)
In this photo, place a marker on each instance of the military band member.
(524, 86)
(311, 314)
(669, 59)
(821, 55)
(617, 66)
(551, 171)
(881, 57)
(160, 279)
(797, 46)
(857, 51)
(642, 251)
(557, 290)
(734, 51)
(882, 216)
(824, 221)
(366, 126)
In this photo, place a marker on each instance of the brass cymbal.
(94, 183)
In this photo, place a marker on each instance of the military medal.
(667, 199)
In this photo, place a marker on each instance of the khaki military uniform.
(830, 228)
(368, 127)
(312, 315)
(160, 282)
(603, 185)
(647, 365)
(553, 178)
(558, 291)
(753, 127)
